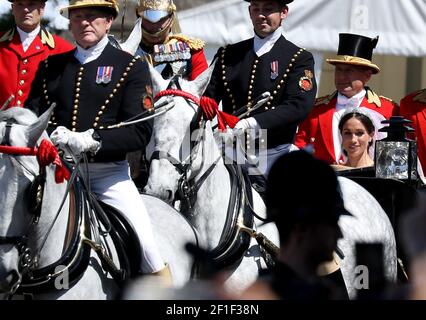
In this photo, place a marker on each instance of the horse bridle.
(20, 242)
(187, 186)
(25, 257)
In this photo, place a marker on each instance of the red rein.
(46, 154)
(208, 105)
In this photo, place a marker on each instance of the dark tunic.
(82, 103)
(286, 71)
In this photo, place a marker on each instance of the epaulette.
(8, 35)
(47, 38)
(372, 97)
(325, 99)
(193, 43)
(420, 96)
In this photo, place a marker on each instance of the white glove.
(78, 142)
(248, 123)
(244, 124)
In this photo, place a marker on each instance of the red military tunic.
(413, 107)
(172, 53)
(317, 128)
(18, 68)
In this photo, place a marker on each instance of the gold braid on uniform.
(324, 100)
(76, 101)
(372, 97)
(193, 43)
(420, 96)
(46, 96)
(8, 35)
(148, 58)
(114, 91)
(274, 93)
(47, 38)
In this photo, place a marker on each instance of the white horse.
(173, 163)
(57, 271)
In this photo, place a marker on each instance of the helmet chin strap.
(165, 30)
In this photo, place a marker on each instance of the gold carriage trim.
(8, 36)
(193, 43)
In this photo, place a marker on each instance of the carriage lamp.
(395, 155)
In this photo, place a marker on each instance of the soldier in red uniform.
(22, 48)
(353, 69)
(156, 36)
(413, 107)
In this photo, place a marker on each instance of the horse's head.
(175, 134)
(19, 128)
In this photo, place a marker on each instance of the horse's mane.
(19, 115)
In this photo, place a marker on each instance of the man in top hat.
(156, 35)
(353, 69)
(308, 227)
(22, 48)
(413, 107)
(95, 86)
(268, 62)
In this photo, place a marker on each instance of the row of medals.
(172, 52)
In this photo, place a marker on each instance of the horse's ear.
(202, 81)
(35, 130)
(158, 83)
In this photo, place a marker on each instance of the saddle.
(125, 240)
(77, 249)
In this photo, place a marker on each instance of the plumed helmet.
(154, 10)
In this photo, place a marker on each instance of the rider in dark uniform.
(267, 62)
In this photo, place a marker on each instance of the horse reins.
(187, 187)
(46, 154)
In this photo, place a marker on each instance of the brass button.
(20, 93)
(21, 82)
(18, 102)
(24, 71)
(25, 61)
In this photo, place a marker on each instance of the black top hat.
(303, 188)
(281, 1)
(356, 50)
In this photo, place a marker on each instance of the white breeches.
(112, 184)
